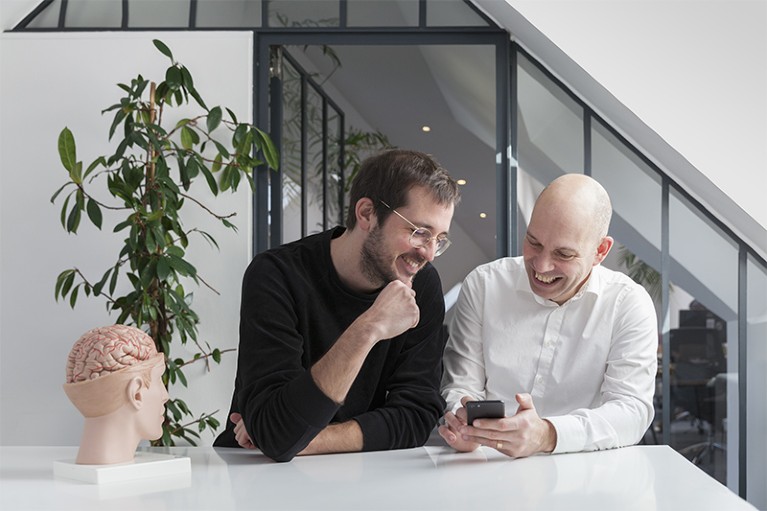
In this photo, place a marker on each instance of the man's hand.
(393, 312)
(522, 435)
(240, 434)
(450, 431)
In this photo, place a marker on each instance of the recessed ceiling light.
(483, 215)
(425, 129)
(461, 182)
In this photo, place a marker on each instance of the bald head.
(580, 198)
(567, 236)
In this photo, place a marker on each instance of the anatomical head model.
(114, 378)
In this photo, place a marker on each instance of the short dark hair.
(389, 175)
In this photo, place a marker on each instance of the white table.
(641, 477)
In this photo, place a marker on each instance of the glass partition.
(550, 126)
(756, 374)
(90, 13)
(703, 341)
(228, 13)
(290, 157)
(304, 13)
(387, 13)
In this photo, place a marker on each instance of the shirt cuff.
(570, 434)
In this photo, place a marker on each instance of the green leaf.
(210, 179)
(67, 150)
(163, 48)
(183, 381)
(55, 195)
(181, 266)
(216, 355)
(173, 78)
(73, 221)
(73, 296)
(94, 213)
(268, 148)
(197, 98)
(163, 269)
(232, 116)
(68, 281)
(214, 119)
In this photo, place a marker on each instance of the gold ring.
(499, 445)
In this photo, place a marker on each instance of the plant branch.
(203, 206)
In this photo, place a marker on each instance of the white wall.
(695, 71)
(49, 81)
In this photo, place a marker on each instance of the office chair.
(699, 384)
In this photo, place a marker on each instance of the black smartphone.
(484, 410)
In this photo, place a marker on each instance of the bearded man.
(341, 332)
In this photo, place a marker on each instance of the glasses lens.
(420, 238)
(442, 245)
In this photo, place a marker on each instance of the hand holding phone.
(493, 409)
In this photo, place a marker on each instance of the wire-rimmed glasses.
(421, 236)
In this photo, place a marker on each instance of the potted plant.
(149, 176)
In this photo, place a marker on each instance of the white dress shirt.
(589, 364)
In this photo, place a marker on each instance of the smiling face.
(387, 254)
(565, 239)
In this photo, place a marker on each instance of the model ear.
(365, 212)
(135, 390)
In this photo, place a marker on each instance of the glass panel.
(550, 126)
(335, 212)
(304, 13)
(635, 192)
(228, 13)
(451, 13)
(703, 331)
(164, 13)
(756, 371)
(94, 13)
(48, 18)
(382, 13)
(314, 177)
(290, 156)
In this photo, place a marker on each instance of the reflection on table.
(434, 477)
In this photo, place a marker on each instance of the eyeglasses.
(421, 236)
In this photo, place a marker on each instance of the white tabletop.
(641, 477)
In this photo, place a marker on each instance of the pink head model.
(114, 378)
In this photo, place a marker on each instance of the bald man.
(569, 346)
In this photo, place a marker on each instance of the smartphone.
(484, 410)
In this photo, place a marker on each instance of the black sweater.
(294, 307)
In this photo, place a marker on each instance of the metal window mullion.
(665, 267)
(261, 106)
(304, 151)
(192, 13)
(421, 13)
(506, 171)
(125, 22)
(587, 142)
(742, 370)
(63, 13)
(343, 14)
(324, 165)
(341, 170)
(276, 176)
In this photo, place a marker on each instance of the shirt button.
(539, 379)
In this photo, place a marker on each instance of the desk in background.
(641, 477)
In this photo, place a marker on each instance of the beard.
(374, 264)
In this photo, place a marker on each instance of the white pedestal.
(144, 465)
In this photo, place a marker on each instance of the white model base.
(144, 465)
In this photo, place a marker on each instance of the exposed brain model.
(105, 350)
(100, 363)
